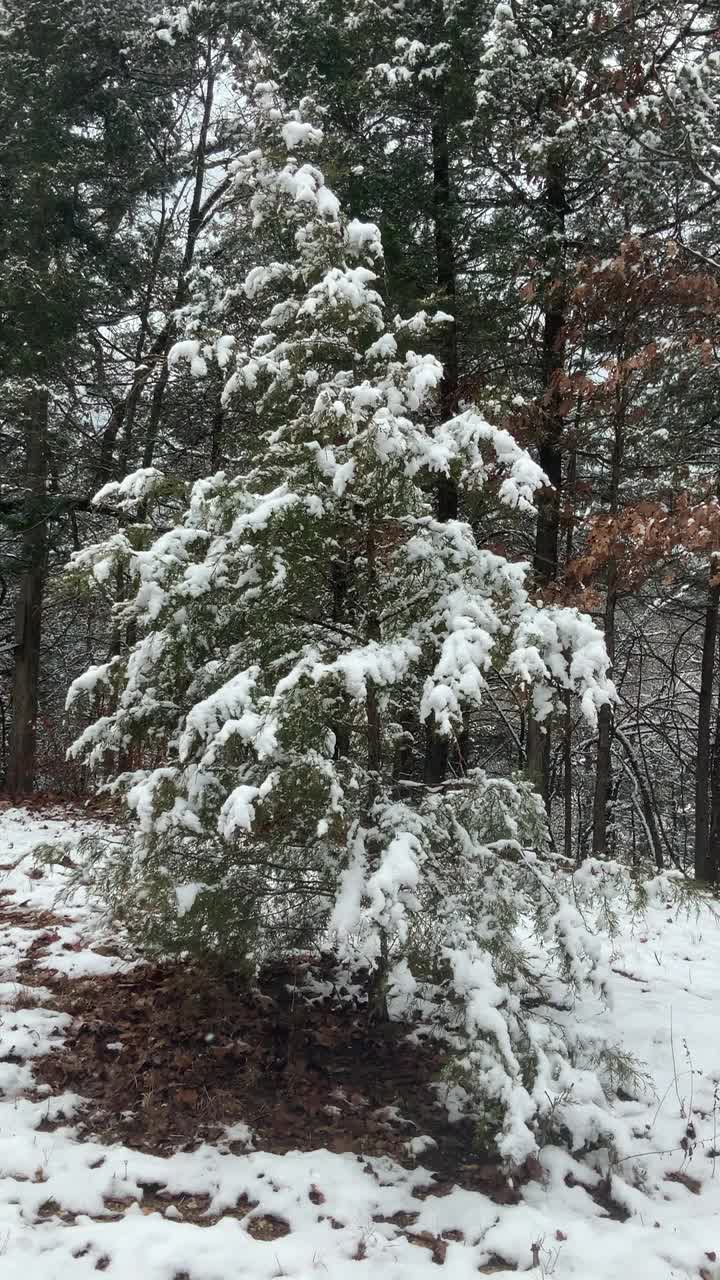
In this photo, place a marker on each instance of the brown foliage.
(640, 538)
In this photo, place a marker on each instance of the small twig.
(675, 1070)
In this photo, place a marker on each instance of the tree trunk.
(123, 412)
(713, 854)
(547, 531)
(217, 437)
(29, 605)
(568, 726)
(446, 283)
(647, 812)
(437, 748)
(703, 869)
(156, 404)
(377, 995)
(374, 728)
(196, 220)
(603, 769)
(567, 782)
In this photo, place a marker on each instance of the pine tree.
(285, 625)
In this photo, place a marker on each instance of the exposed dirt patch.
(694, 1185)
(50, 805)
(171, 1057)
(601, 1192)
(267, 1227)
(20, 917)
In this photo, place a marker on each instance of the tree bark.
(713, 854)
(568, 726)
(547, 531)
(123, 412)
(603, 769)
(29, 605)
(377, 995)
(374, 726)
(648, 812)
(567, 782)
(446, 282)
(703, 868)
(603, 765)
(217, 437)
(437, 748)
(196, 219)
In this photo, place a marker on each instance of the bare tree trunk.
(603, 765)
(123, 412)
(217, 437)
(713, 853)
(648, 812)
(29, 606)
(445, 277)
(156, 404)
(196, 218)
(703, 869)
(567, 726)
(603, 769)
(437, 748)
(547, 532)
(567, 782)
(377, 996)
(374, 727)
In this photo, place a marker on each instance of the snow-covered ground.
(71, 1207)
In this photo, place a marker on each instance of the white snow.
(188, 350)
(663, 976)
(298, 133)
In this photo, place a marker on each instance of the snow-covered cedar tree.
(288, 627)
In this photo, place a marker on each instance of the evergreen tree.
(288, 622)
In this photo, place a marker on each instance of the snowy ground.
(72, 1207)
